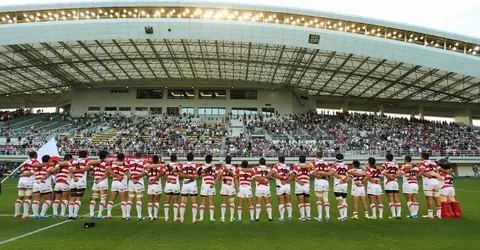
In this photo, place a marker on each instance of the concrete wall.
(283, 101)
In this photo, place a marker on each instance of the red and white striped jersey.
(77, 164)
(40, 173)
(100, 169)
(190, 168)
(410, 174)
(321, 166)
(390, 168)
(245, 178)
(374, 174)
(119, 170)
(283, 170)
(429, 166)
(152, 174)
(358, 180)
(136, 167)
(62, 175)
(208, 178)
(341, 169)
(29, 167)
(261, 171)
(49, 179)
(303, 174)
(172, 177)
(447, 180)
(227, 177)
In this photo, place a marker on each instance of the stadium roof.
(53, 48)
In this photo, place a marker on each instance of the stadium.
(245, 81)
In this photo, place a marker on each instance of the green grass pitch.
(362, 234)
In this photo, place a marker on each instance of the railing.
(182, 153)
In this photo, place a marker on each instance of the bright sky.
(460, 16)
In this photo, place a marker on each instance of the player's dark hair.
(228, 159)
(244, 164)
(389, 157)
(408, 158)
(425, 156)
(339, 157)
(82, 154)
(208, 158)
(68, 157)
(121, 157)
(102, 154)
(155, 159)
(173, 157)
(319, 154)
(262, 161)
(302, 159)
(138, 154)
(356, 164)
(32, 154)
(190, 156)
(371, 161)
(45, 158)
(445, 164)
(281, 159)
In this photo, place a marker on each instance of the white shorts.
(263, 192)
(103, 185)
(340, 188)
(374, 189)
(135, 187)
(171, 188)
(206, 190)
(410, 188)
(154, 189)
(118, 186)
(321, 185)
(392, 185)
(284, 189)
(189, 189)
(42, 188)
(447, 191)
(299, 189)
(228, 190)
(245, 192)
(61, 187)
(431, 187)
(25, 182)
(80, 184)
(358, 191)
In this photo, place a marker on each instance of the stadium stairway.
(104, 136)
(25, 121)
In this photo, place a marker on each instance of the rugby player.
(25, 185)
(42, 187)
(447, 191)
(188, 172)
(374, 189)
(78, 184)
(262, 188)
(391, 172)
(119, 185)
(154, 172)
(282, 174)
(100, 185)
(340, 185)
(321, 172)
(136, 185)
(172, 186)
(62, 186)
(431, 186)
(228, 189)
(410, 186)
(243, 183)
(358, 189)
(210, 177)
(301, 173)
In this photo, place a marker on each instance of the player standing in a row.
(244, 190)
(374, 189)
(358, 189)
(302, 172)
(25, 185)
(154, 172)
(189, 188)
(340, 186)
(42, 188)
(262, 188)
(136, 185)
(78, 184)
(428, 170)
(172, 187)
(210, 176)
(410, 186)
(282, 174)
(228, 189)
(391, 172)
(62, 185)
(321, 172)
(100, 185)
(119, 185)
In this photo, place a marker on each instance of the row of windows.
(189, 110)
(190, 94)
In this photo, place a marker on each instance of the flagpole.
(15, 170)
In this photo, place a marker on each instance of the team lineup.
(130, 178)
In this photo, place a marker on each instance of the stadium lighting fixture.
(129, 13)
(88, 12)
(293, 23)
(421, 37)
(81, 14)
(135, 10)
(477, 48)
(328, 22)
(69, 15)
(32, 17)
(394, 37)
(44, 16)
(341, 28)
(411, 35)
(100, 11)
(92, 14)
(10, 21)
(50, 13)
(173, 11)
(64, 18)
(474, 53)
(322, 23)
(124, 15)
(168, 15)
(38, 14)
(111, 16)
(117, 14)
(74, 12)
(124, 11)
(27, 19)
(334, 25)
(340, 23)
(162, 10)
(416, 38)
(111, 11)
(24, 15)
(277, 21)
(389, 34)
(410, 40)
(3, 19)
(364, 27)
(353, 30)
(456, 44)
(454, 48)
(436, 45)
(400, 35)
(358, 28)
